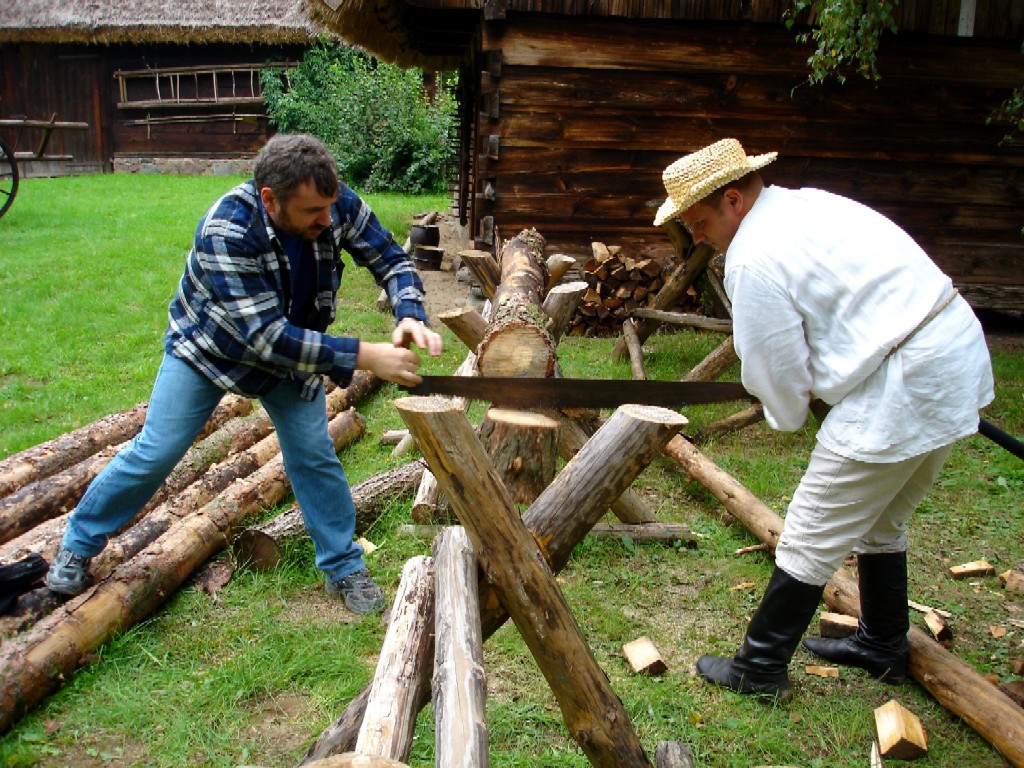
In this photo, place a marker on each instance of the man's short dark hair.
(291, 159)
(743, 183)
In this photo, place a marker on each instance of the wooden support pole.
(736, 421)
(460, 682)
(516, 568)
(715, 364)
(560, 305)
(685, 319)
(466, 323)
(628, 507)
(956, 685)
(424, 503)
(484, 268)
(636, 352)
(403, 668)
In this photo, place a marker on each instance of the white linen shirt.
(823, 288)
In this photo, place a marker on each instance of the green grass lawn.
(87, 267)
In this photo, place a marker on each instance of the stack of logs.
(500, 548)
(617, 285)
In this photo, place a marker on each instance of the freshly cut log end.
(654, 414)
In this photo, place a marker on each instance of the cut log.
(356, 760)
(484, 268)
(466, 323)
(938, 627)
(955, 684)
(560, 305)
(663, 533)
(636, 353)
(403, 668)
(836, 624)
(972, 570)
(557, 265)
(1012, 580)
(605, 466)
(517, 342)
(522, 447)
(261, 546)
(516, 568)
(424, 503)
(644, 657)
(33, 664)
(460, 682)
(684, 319)
(900, 733)
(392, 436)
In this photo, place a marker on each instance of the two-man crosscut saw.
(538, 392)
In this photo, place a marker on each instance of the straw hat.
(692, 178)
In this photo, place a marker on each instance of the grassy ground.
(252, 677)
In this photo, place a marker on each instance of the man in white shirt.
(831, 300)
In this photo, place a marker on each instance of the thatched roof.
(431, 34)
(156, 21)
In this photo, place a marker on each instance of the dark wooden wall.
(579, 116)
(77, 82)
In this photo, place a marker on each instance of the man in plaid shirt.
(251, 314)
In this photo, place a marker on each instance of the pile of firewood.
(616, 286)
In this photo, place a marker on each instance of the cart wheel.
(8, 178)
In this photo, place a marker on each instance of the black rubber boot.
(880, 643)
(760, 665)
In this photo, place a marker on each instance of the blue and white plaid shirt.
(229, 317)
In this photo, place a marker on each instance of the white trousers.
(843, 506)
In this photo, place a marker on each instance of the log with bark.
(261, 546)
(35, 663)
(517, 342)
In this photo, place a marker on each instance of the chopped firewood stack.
(616, 286)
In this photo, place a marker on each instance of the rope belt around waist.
(928, 318)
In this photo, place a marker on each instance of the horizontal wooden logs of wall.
(577, 123)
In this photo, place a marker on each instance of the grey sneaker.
(69, 573)
(360, 591)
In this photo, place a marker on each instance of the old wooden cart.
(9, 155)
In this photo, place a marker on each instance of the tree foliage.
(847, 37)
(385, 133)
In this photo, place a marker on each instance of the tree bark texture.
(517, 342)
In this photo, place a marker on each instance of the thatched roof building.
(149, 21)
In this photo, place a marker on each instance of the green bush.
(375, 117)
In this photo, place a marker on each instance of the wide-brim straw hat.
(692, 178)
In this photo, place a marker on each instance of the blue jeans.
(179, 408)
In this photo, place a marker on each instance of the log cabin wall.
(578, 115)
